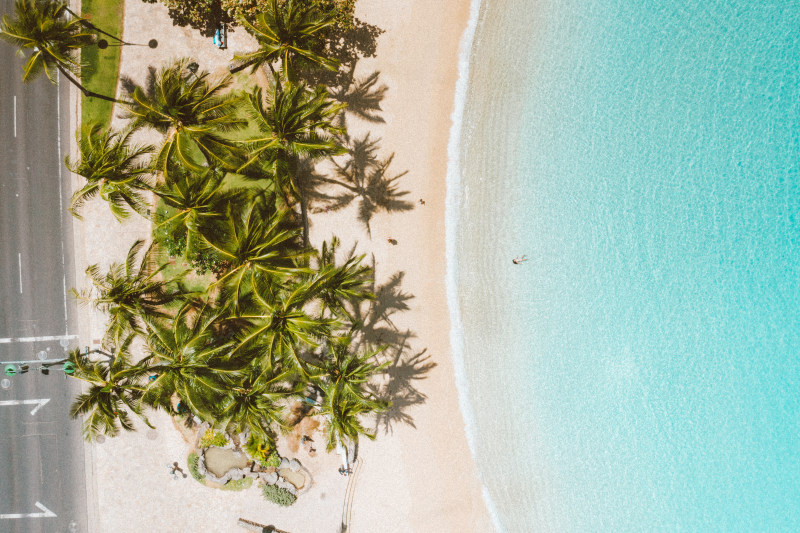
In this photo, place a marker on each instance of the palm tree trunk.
(86, 91)
(92, 26)
(304, 216)
(343, 451)
(237, 68)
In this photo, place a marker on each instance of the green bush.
(273, 460)
(263, 453)
(192, 463)
(212, 438)
(278, 495)
(238, 484)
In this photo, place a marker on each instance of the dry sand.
(418, 475)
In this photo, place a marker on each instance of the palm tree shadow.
(375, 325)
(377, 328)
(399, 388)
(347, 47)
(363, 97)
(364, 178)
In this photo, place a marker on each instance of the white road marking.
(7, 340)
(46, 513)
(15, 115)
(60, 198)
(39, 403)
(19, 260)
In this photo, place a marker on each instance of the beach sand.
(418, 475)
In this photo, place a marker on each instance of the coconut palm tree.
(295, 122)
(343, 376)
(129, 293)
(256, 240)
(289, 33)
(281, 326)
(188, 360)
(343, 284)
(191, 111)
(54, 38)
(115, 389)
(197, 199)
(256, 403)
(344, 425)
(346, 373)
(113, 169)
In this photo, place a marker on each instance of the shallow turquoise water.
(640, 371)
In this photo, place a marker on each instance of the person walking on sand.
(520, 259)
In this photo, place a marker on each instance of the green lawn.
(175, 266)
(101, 66)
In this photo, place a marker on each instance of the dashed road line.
(37, 339)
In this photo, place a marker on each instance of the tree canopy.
(208, 15)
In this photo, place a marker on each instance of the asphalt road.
(41, 454)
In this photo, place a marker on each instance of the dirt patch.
(308, 426)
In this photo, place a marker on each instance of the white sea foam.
(452, 214)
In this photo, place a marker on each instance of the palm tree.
(295, 122)
(343, 284)
(346, 373)
(114, 389)
(189, 360)
(43, 27)
(130, 292)
(255, 403)
(196, 198)
(281, 326)
(343, 378)
(256, 240)
(113, 170)
(191, 112)
(344, 425)
(290, 33)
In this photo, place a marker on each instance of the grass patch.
(192, 281)
(101, 66)
(191, 462)
(238, 484)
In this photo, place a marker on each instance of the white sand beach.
(418, 475)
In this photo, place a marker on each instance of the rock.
(282, 483)
(269, 477)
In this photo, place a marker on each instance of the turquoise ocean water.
(641, 371)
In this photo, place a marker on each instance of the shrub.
(212, 438)
(278, 495)
(273, 460)
(192, 463)
(262, 452)
(238, 484)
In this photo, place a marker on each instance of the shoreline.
(452, 216)
(419, 474)
(440, 481)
